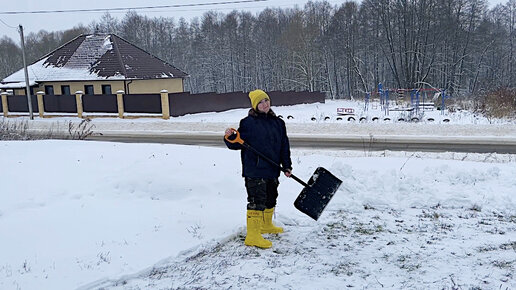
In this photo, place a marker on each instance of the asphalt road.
(476, 144)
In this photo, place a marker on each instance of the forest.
(461, 46)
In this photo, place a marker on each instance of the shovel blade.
(315, 197)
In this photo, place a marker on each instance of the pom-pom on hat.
(256, 97)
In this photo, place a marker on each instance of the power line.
(127, 8)
(214, 9)
(8, 24)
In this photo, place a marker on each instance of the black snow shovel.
(315, 195)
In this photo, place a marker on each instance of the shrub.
(500, 103)
(19, 130)
(14, 130)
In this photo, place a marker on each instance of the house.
(97, 64)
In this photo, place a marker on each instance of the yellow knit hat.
(256, 97)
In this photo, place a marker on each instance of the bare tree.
(457, 45)
(106, 24)
(11, 57)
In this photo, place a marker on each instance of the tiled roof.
(97, 57)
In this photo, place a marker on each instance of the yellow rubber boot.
(268, 227)
(254, 224)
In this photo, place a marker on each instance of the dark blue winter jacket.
(267, 134)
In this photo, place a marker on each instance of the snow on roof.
(39, 72)
(95, 57)
(16, 85)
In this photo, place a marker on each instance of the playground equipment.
(413, 100)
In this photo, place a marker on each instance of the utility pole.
(27, 85)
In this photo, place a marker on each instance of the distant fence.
(167, 104)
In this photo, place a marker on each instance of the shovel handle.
(298, 180)
(236, 139)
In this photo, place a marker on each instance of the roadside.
(148, 125)
(478, 138)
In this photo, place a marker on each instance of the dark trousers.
(261, 193)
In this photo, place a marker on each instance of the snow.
(101, 215)
(78, 67)
(39, 72)
(16, 85)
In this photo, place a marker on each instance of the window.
(65, 90)
(106, 89)
(49, 90)
(88, 90)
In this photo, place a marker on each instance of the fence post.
(5, 107)
(78, 99)
(41, 104)
(164, 105)
(120, 103)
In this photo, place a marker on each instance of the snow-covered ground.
(100, 215)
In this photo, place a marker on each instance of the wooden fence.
(166, 104)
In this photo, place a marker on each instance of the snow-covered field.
(100, 215)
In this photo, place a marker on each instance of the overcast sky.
(63, 21)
